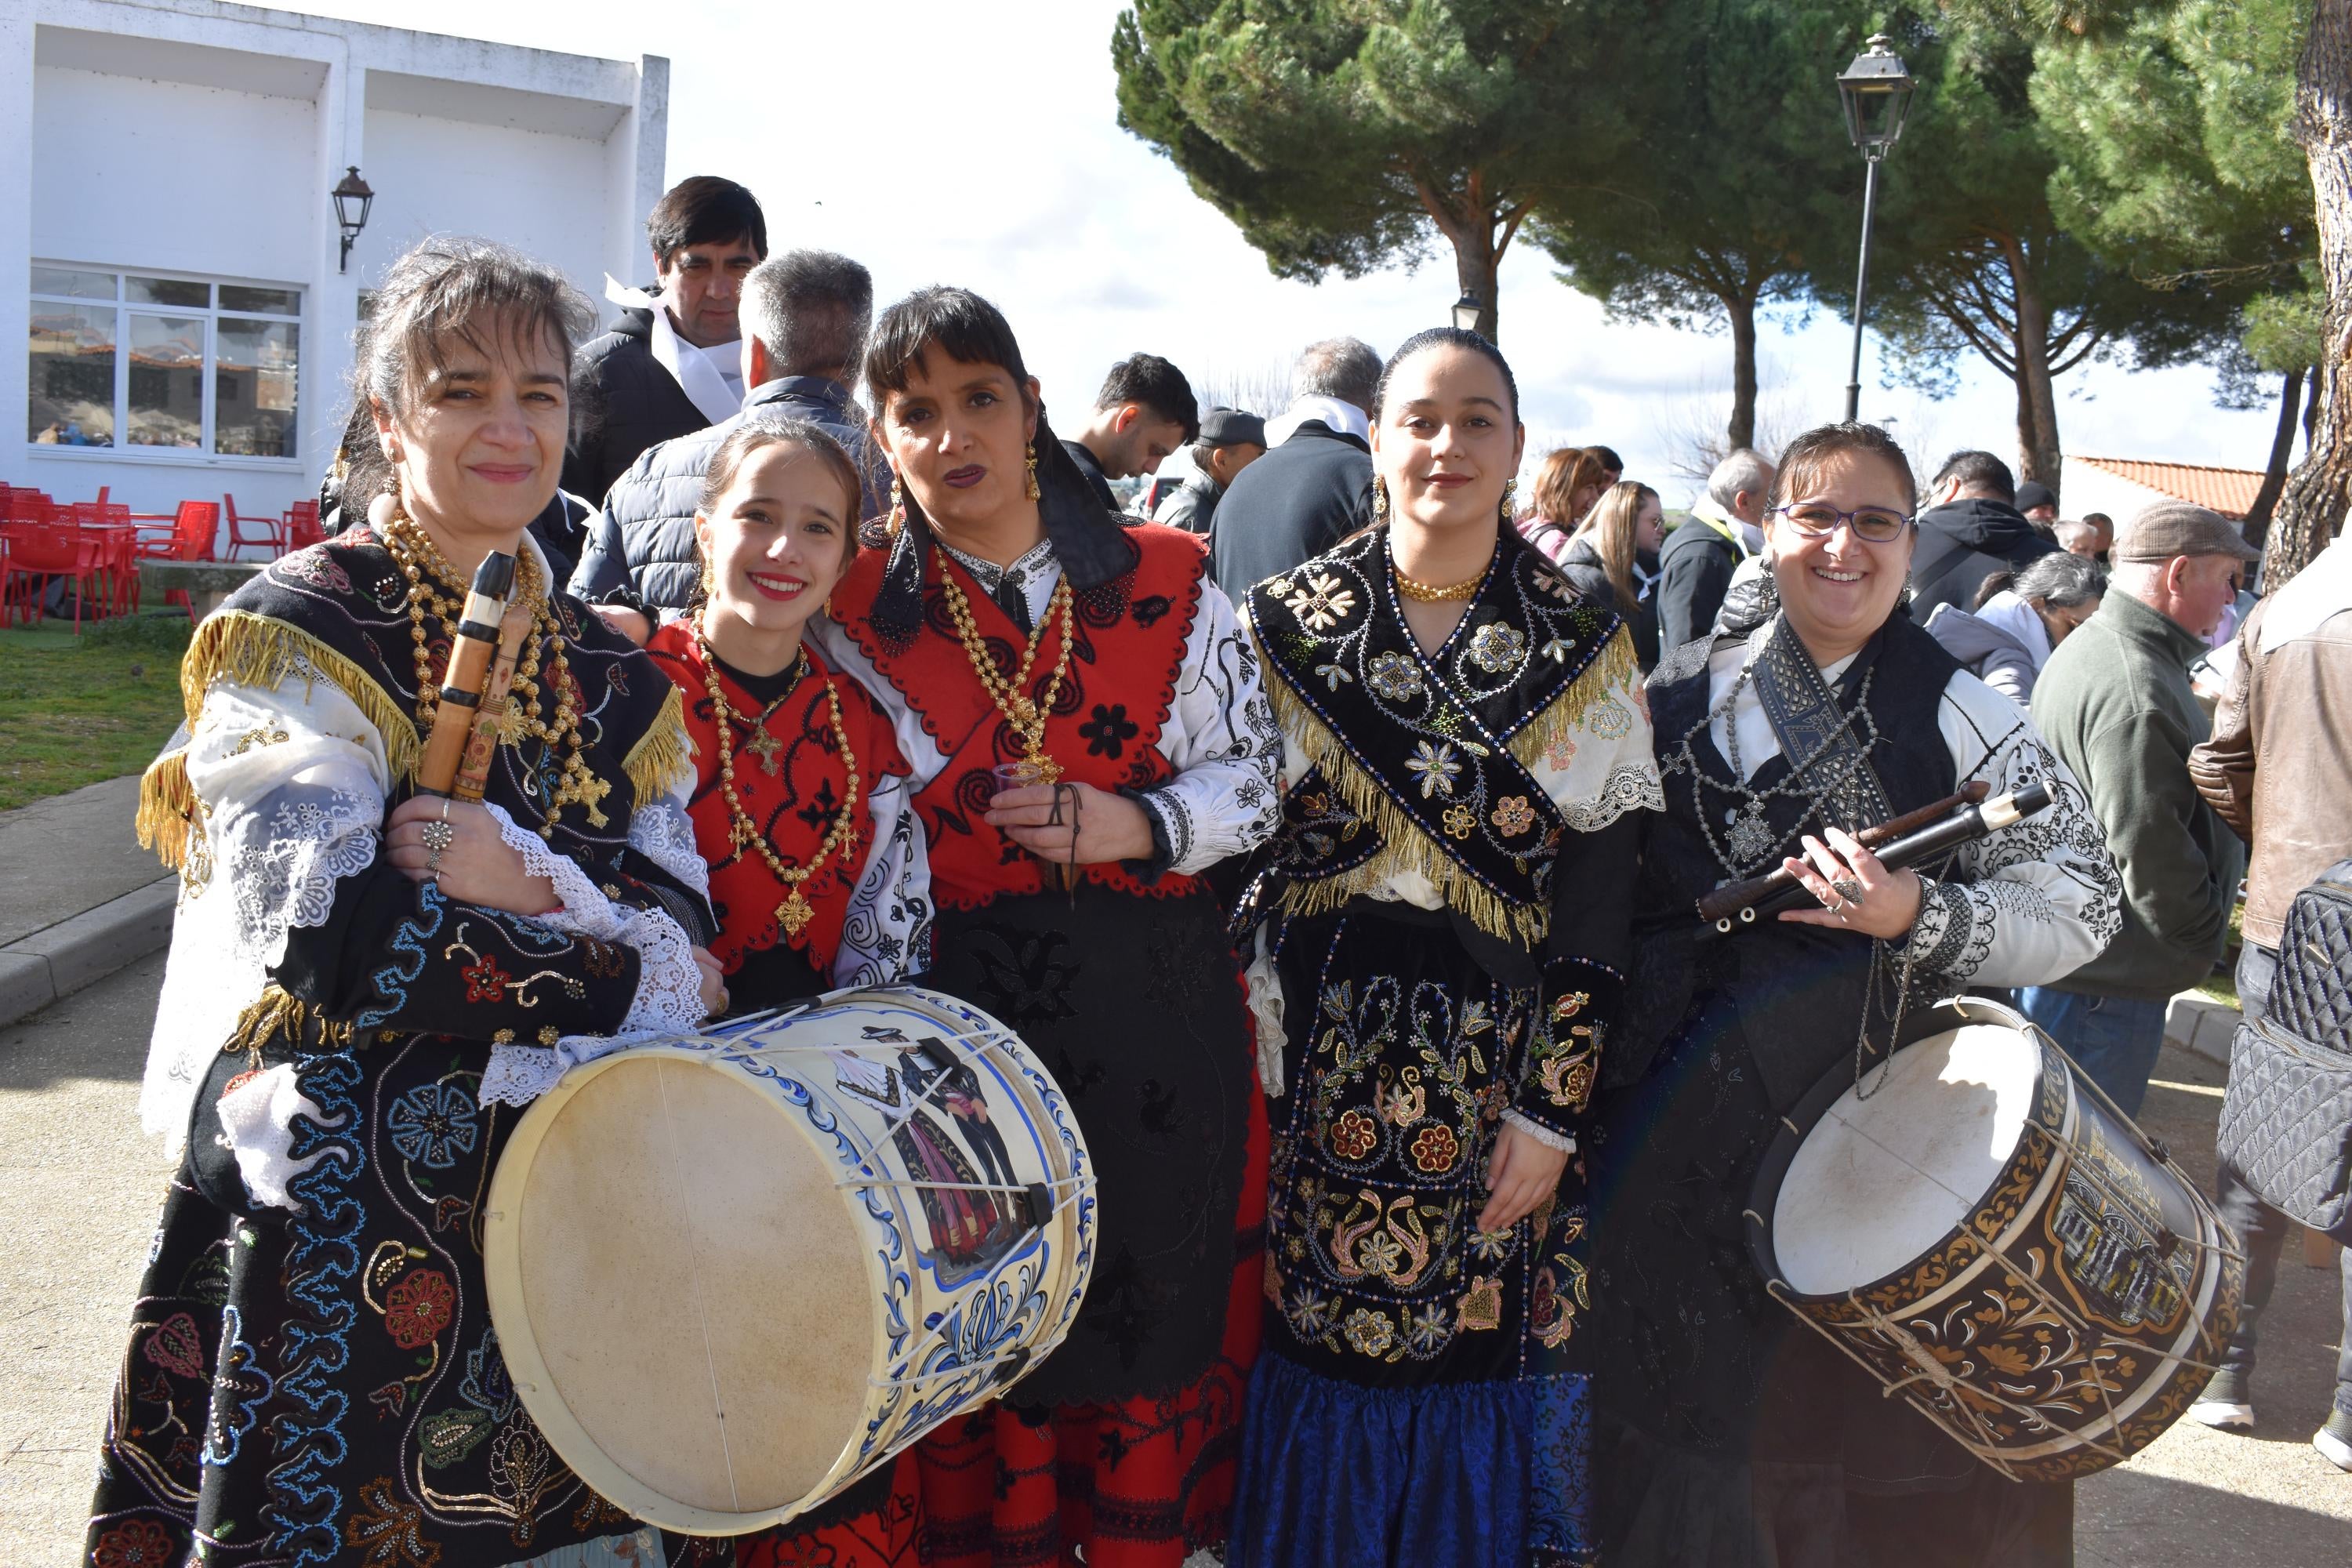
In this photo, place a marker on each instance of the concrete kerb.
(59, 960)
(2197, 1023)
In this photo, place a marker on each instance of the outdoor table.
(206, 583)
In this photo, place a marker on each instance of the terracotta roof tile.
(2229, 491)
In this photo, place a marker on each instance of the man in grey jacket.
(2115, 703)
(805, 315)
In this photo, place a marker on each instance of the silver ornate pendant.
(1751, 838)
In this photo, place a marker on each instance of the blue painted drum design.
(1979, 1228)
(732, 1272)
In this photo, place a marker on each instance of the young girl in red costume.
(800, 807)
(1086, 734)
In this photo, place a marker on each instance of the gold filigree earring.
(1035, 492)
(1510, 488)
(897, 505)
(1380, 503)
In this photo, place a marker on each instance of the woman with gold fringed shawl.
(363, 983)
(1438, 939)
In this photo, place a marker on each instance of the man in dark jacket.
(1970, 529)
(1144, 412)
(670, 364)
(1724, 528)
(805, 316)
(2116, 705)
(1231, 440)
(1314, 486)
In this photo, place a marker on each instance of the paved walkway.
(78, 1190)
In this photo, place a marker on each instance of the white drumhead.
(1878, 1182)
(694, 1288)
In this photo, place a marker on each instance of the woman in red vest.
(1086, 734)
(800, 808)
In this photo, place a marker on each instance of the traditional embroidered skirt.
(1424, 1399)
(1124, 1441)
(326, 1388)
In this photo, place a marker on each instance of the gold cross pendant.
(764, 746)
(795, 914)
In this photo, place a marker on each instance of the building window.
(182, 365)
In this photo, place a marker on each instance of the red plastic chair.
(245, 528)
(302, 528)
(40, 552)
(194, 529)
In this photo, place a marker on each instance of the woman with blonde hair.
(1614, 560)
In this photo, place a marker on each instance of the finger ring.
(445, 808)
(1846, 888)
(438, 837)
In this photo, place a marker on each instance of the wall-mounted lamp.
(352, 199)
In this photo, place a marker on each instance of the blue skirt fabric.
(1472, 1474)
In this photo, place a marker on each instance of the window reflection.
(71, 382)
(254, 386)
(169, 291)
(167, 382)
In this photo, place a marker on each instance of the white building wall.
(408, 160)
(201, 137)
(2087, 489)
(168, 175)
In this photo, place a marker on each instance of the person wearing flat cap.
(1230, 441)
(2116, 705)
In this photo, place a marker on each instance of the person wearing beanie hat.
(1231, 440)
(2116, 705)
(2039, 506)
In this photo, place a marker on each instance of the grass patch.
(75, 711)
(2221, 985)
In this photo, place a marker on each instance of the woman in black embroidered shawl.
(1729, 1435)
(312, 1376)
(1439, 938)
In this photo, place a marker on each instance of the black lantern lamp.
(352, 199)
(1876, 93)
(1466, 312)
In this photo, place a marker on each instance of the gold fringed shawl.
(1404, 845)
(258, 652)
(664, 755)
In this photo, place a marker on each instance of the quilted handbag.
(2286, 1117)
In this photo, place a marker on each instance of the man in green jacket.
(2115, 703)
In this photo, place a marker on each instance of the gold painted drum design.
(732, 1272)
(1988, 1235)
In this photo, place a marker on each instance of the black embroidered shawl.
(1421, 762)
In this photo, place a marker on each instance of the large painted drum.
(734, 1271)
(1988, 1236)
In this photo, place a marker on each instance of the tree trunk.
(1475, 261)
(2037, 404)
(2312, 507)
(2258, 516)
(1741, 431)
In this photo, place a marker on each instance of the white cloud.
(940, 141)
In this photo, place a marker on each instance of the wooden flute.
(1744, 903)
(482, 652)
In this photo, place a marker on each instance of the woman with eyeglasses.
(1729, 1435)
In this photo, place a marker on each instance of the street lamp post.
(353, 198)
(1465, 311)
(1876, 93)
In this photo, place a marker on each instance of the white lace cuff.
(520, 1074)
(1563, 1141)
(1262, 987)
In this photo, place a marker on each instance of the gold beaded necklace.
(795, 913)
(1025, 715)
(432, 592)
(1429, 594)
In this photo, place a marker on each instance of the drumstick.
(1963, 825)
(1733, 897)
(472, 647)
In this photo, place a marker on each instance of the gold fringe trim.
(257, 650)
(1405, 845)
(278, 1016)
(664, 755)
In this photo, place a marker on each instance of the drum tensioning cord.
(694, 1259)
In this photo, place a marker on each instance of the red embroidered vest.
(794, 805)
(1105, 726)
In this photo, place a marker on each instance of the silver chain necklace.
(1749, 834)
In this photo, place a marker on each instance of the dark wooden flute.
(1724, 905)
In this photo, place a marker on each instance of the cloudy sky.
(978, 144)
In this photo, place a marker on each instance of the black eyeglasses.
(1815, 519)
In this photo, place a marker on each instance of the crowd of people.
(1330, 827)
